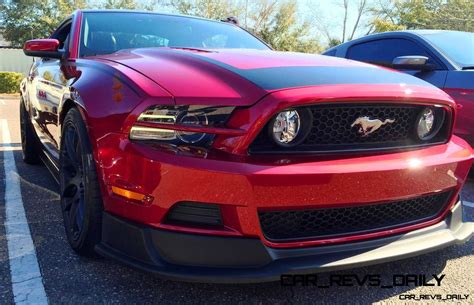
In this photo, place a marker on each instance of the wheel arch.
(67, 105)
(72, 100)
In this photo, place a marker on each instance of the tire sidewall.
(29, 144)
(88, 237)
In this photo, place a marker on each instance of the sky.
(327, 13)
(331, 14)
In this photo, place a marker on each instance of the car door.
(384, 50)
(47, 84)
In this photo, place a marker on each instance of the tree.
(424, 14)
(361, 10)
(211, 9)
(382, 25)
(333, 42)
(122, 4)
(276, 22)
(326, 27)
(278, 25)
(28, 19)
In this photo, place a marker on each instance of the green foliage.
(279, 27)
(382, 25)
(28, 19)
(425, 14)
(211, 9)
(10, 82)
(128, 4)
(123, 4)
(333, 42)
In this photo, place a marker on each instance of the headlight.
(179, 124)
(291, 127)
(429, 122)
(197, 119)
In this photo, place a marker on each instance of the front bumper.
(204, 258)
(244, 186)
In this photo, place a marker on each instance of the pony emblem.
(368, 125)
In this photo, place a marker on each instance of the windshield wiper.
(468, 68)
(192, 49)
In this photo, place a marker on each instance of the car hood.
(242, 77)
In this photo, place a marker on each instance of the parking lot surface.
(68, 278)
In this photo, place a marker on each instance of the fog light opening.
(429, 123)
(195, 214)
(290, 127)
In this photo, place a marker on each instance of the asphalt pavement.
(69, 279)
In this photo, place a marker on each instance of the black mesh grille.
(332, 125)
(332, 222)
(331, 129)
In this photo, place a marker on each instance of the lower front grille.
(290, 225)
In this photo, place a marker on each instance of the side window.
(384, 51)
(62, 34)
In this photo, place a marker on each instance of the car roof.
(422, 32)
(417, 33)
(414, 34)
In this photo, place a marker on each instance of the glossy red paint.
(465, 119)
(76, 35)
(35, 45)
(248, 184)
(216, 86)
(113, 90)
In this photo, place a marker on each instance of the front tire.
(29, 143)
(81, 200)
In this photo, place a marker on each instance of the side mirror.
(413, 62)
(42, 48)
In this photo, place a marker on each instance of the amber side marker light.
(131, 195)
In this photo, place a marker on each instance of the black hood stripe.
(289, 77)
(275, 78)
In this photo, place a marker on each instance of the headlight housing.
(181, 125)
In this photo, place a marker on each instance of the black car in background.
(443, 58)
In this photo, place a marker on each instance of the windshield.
(104, 33)
(458, 46)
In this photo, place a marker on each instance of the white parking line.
(469, 204)
(27, 283)
(2, 102)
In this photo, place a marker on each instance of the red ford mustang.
(188, 148)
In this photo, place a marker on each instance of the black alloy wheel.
(81, 200)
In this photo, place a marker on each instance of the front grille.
(331, 125)
(331, 129)
(335, 222)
